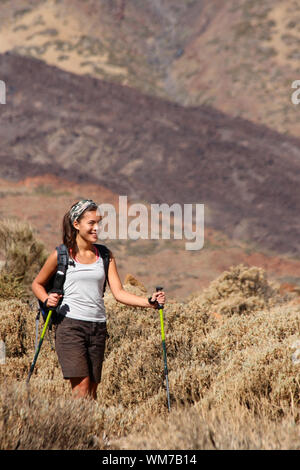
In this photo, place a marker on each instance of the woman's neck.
(84, 246)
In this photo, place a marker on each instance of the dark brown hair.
(69, 232)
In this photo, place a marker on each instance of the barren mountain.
(89, 130)
(239, 57)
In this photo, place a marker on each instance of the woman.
(80, 332)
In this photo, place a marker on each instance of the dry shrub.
(17, 330)
(134, 368)
(231, 427)
(125, 321)
(23, 254)
(14, 318)
(253, 357)
(240, 290)
(225, 371)
(38, 421)
(120, 420)
(11, 287)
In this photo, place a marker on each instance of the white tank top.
(83, 289)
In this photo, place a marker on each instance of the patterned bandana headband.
(80, 207)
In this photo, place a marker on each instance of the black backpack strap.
(62, 266)
(62, 257)
(55, 284)
(105, 255)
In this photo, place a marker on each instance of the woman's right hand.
(53, 299)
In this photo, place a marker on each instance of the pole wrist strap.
(153, 302)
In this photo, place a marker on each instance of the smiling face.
(88, 226)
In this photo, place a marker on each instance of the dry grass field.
(233, 371)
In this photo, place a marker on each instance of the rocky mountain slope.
(239, 57)
(151, 150)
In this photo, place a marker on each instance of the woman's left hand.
(159, 296)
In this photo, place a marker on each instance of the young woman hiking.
(80, 332)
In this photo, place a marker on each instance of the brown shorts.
(80, 347)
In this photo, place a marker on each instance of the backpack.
(56, 282)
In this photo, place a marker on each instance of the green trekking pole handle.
(164, 348)
(39, 345)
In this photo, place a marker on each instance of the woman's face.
(89, 226)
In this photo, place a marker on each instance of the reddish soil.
(42, 201)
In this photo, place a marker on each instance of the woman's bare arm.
(48, 269)
(125, 297)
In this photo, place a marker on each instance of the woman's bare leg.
(93, 390)
(80, 386)
(83, 387)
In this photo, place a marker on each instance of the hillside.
(42, 201)
(239, 57)
(149, 149)
(242, 58)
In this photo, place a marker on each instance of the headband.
(79, 208)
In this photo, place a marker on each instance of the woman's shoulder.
(53, 255)
(60, 251)
(52, 258)
(104, 249)
(49, 267)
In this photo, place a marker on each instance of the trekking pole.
(37, 320)
(39, 345)
(164, 347)
(57, 288)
